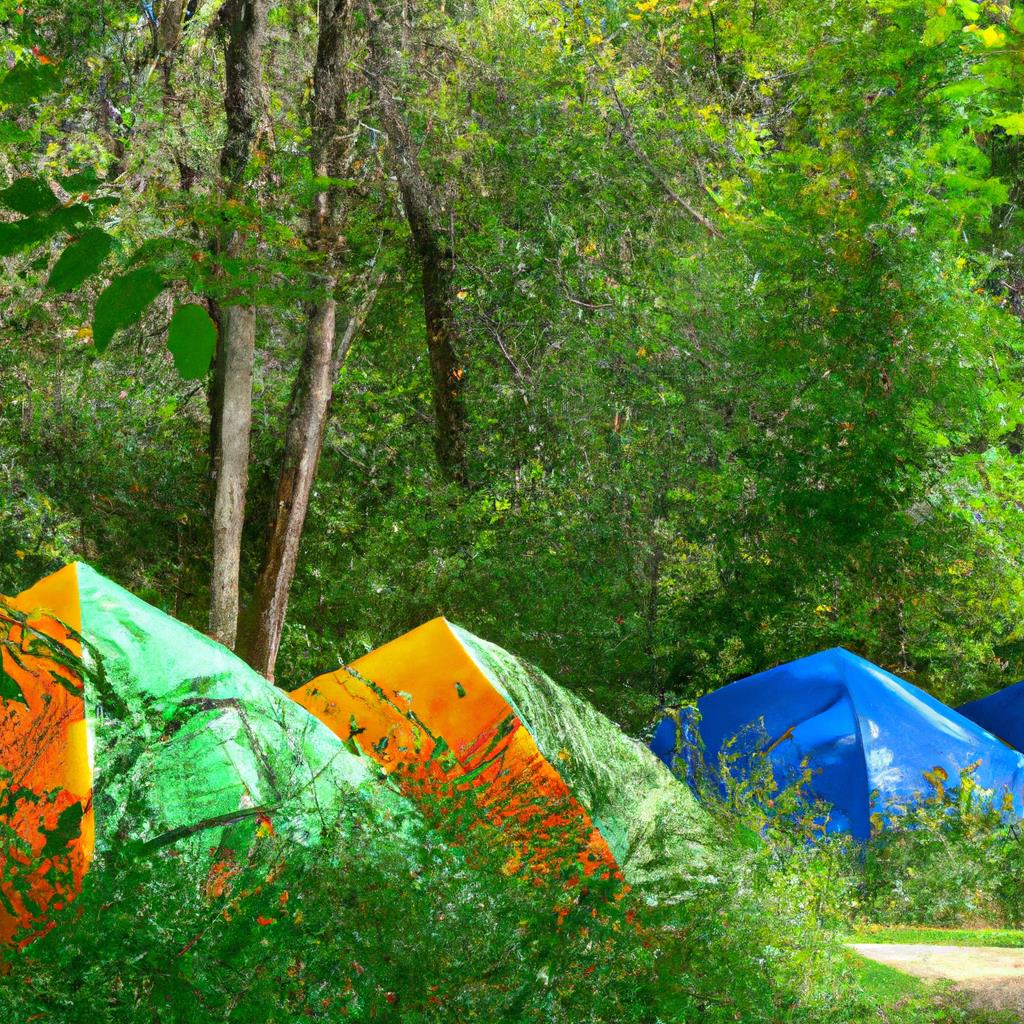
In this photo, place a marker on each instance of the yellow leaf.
(993, 36)
(84, 332)
(595, 39)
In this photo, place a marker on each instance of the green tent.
(163, 737)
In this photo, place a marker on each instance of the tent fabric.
(872, 742)
(46, 816)
(1002, 713)
(440, 699)
(185, 744)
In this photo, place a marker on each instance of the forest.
(659, 342)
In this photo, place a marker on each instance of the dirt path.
(992, 976)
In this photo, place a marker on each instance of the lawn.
(884, 984)
(938, 936)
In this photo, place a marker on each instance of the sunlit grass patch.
(938, 936)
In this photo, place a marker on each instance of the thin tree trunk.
(231, 466)
(231, 393)
(314, 384)
(437, 265)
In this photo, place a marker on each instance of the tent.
(1002, 713)
(120, 724)
(872, 742)
(447, 711)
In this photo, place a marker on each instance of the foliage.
(739, 286)
(951, 861)
(697, 455)
(272, 934)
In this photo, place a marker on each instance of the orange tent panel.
(46, 779)
(427, 713)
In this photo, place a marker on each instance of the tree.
(434, 252)
(327, 342)
(231, 394)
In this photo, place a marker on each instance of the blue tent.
(868, 737)
(1002, 713)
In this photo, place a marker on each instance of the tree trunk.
(307, 417)
(169, 34)
(433, 249)
(314, 384)
(231, 394)
(231, 467)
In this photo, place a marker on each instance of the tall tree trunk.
(231, 393)
(325, 349)
(434, 251)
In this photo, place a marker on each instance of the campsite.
(511, 511)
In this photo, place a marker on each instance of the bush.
(951, 860)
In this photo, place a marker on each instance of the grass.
(938, 936)
(884, 984)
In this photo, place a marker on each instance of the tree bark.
(312, 394)
(231, 393)
(433, 249)
(236, 346)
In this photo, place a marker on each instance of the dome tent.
(873, 742)
(1002, 713)
(161, 737)
(439, 698)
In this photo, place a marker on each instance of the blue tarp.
(1001, 713)
(868, 736)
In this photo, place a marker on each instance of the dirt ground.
(992, 976)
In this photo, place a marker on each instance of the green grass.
(938, 936)
(884, 984)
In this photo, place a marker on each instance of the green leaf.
(27, 82)
(67, 829)
(10, 691)
(29, 232)
(85, 180)
(122, 303)
(28, 196)
(938, 30)
(192, 338)
(20, 234)
(80, 260)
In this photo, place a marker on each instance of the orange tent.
(45, 772)
(430, 714)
